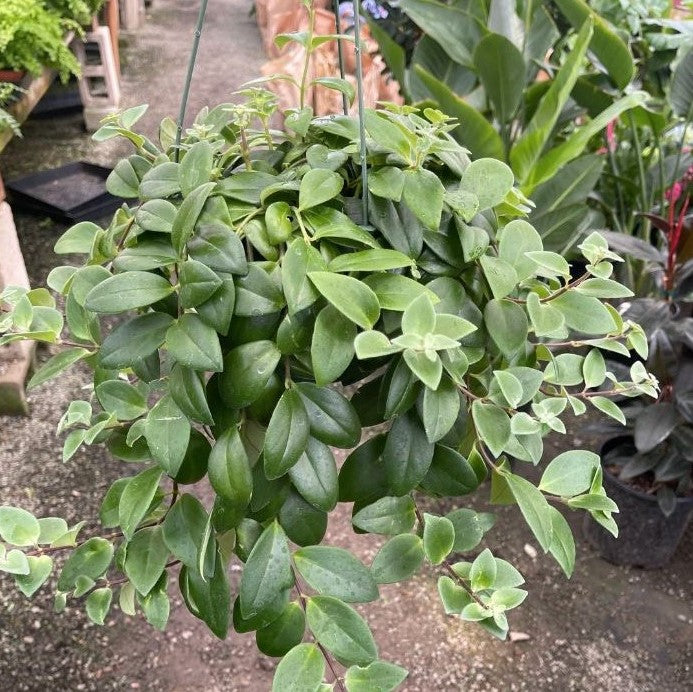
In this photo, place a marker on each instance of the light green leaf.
(18, 527)
(438, 538)
(570, 473)
(145, 559)
(501, 276)
(91, 559)
(374, 260)
(167, 431)
(287, 435)
(379, 676)
(607, 406)
(388, 515)
(301, 670)
(40, 568)
(483, 572)
(136, 498)
(534, 507)
(506, 323)
(98, 604)
(423, 193)
(562, 544)
(489, 179)
(492, 426)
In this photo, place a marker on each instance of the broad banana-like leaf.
(527, 150)
(606, 44)
(681, 94)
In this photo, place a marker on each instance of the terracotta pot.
(13, 76)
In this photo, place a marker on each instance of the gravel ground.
(609, 628)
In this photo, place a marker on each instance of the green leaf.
(211, 597)
(562, 544)
(593, 502)
(606, 43)
(320, 156)
(145, 559)
(184, 528)
(217, 311)
(284, 633)
(303, 523)
(534, 507)
(336, 572)
(438, 538)
(398, 559)
(388, 515)
(57, 364)
(584, 314)
(287, 435)
(501, 70)
(52, 528)
(218, 247)
(426, 365)
(318, 185)
(492, 426)
(160, 181)
(314, 475)
(135, 500)
(419, 317)
(188, 392)
(267, 572)
(546, 319)
(483, 572)
(450, 474)
(98, 604)
(196, 167)
(470, 527)
(14, 562)
(387, 182)
(157, 216)
(91, 559)
(379, 676)
(594, 369)
(194, 344)
(134, 340)
(300, 259)
(528, 148)
(423, 193)
(18, 527)
(507, 325)
(121, 399)
(197, 283)
(373, 344)
(167, 431)
(40, 568)
(510, 386)
(77, 239)
(407, 454)
(229, 469)
(517, 238)
(127, 291)
(370, 261)
(453, 597)
(301, 670)
(388, 135)
(440, 409)
(333, 420)
(187, 215)
(501, 276)
(122, 181)
(350, 296)
(247, 369)
(332, 345)
(475, 132)
(607, 406)
(341, 630)
(396, 292)
(681, 93)
(489, 179)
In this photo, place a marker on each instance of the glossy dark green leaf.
(247, 369)
(333, 420)
(450, 474)
(91, 559)
(267, 572)
(407, 454)
(282, 635)
(303, 523)
(194, 344)
(197, 283)
(167, 431)
(218, 247)
(211, 597)
(287, 434)
(314, 475)
(136, 498)
(350, 296)
(332, 346)
(187, 214)
(229, 468)
(135, 339)
(195, 167)
(184, 528)
(300, 259)
(440, 408)
(146, 558)
(398, 559)
(388, 515)
(188, 391)
(127, 291)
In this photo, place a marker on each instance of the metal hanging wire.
(361, 110)
(188, 77)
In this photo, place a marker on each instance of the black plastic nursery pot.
(646, 536)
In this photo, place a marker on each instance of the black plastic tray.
(74, 192)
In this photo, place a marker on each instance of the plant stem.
(641, 175)
(340, 52)
(361, 111)
(309, 51)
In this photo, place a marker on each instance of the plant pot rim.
(625, 486)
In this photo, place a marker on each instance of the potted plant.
(259, 269)
(649, 469)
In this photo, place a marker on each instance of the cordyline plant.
(247, 288)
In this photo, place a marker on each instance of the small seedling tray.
(74, 192)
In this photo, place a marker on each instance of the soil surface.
(608, 628)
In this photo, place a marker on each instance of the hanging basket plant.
(258, 273)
